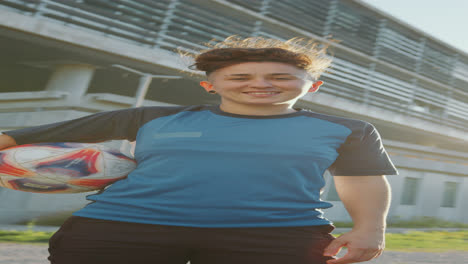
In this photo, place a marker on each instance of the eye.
(238, 79)
(283, 78)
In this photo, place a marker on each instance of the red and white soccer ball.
(62, 167)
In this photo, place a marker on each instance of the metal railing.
(428, 80)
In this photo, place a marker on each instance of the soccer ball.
(62, 167)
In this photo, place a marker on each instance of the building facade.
(61, 60)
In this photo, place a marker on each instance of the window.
(410, 191)
(450, 194)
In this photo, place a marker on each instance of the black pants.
(91, 241)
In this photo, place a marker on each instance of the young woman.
(238, 182)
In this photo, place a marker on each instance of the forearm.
(367, 200)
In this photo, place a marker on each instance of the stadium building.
(61, 60)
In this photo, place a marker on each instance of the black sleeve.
(363, 154)
(110, 125)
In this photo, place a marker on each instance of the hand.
(362, 246)
(6, 141)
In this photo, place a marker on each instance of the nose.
(260, 83)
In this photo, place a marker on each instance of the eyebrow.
(246, 74)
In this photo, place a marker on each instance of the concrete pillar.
(72, 78)
(462, 201)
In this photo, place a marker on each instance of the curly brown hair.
(304, 54)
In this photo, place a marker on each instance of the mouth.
(262, 94)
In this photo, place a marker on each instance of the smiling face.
(260, 87)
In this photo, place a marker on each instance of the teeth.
(264, 93)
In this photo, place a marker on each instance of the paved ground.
(37, 254)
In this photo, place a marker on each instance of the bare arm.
(6, 142)
(367, 200)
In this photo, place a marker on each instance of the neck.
(257, 110)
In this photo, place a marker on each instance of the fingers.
(362, 246)
(356, 255)
(334, 247)
(6, 141)
(350, 257)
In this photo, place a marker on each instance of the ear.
(315, 86)
(206, 85)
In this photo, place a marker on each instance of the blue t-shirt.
(199, 166)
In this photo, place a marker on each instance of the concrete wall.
(79, 39)
(429, 194)
(62, 101)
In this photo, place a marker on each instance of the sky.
(446, 20)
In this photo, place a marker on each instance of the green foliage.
(425, 222)
(430, 241)
(25, 236)
(434, 241)
(343, 224)
(418, 222)
(57, 219)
